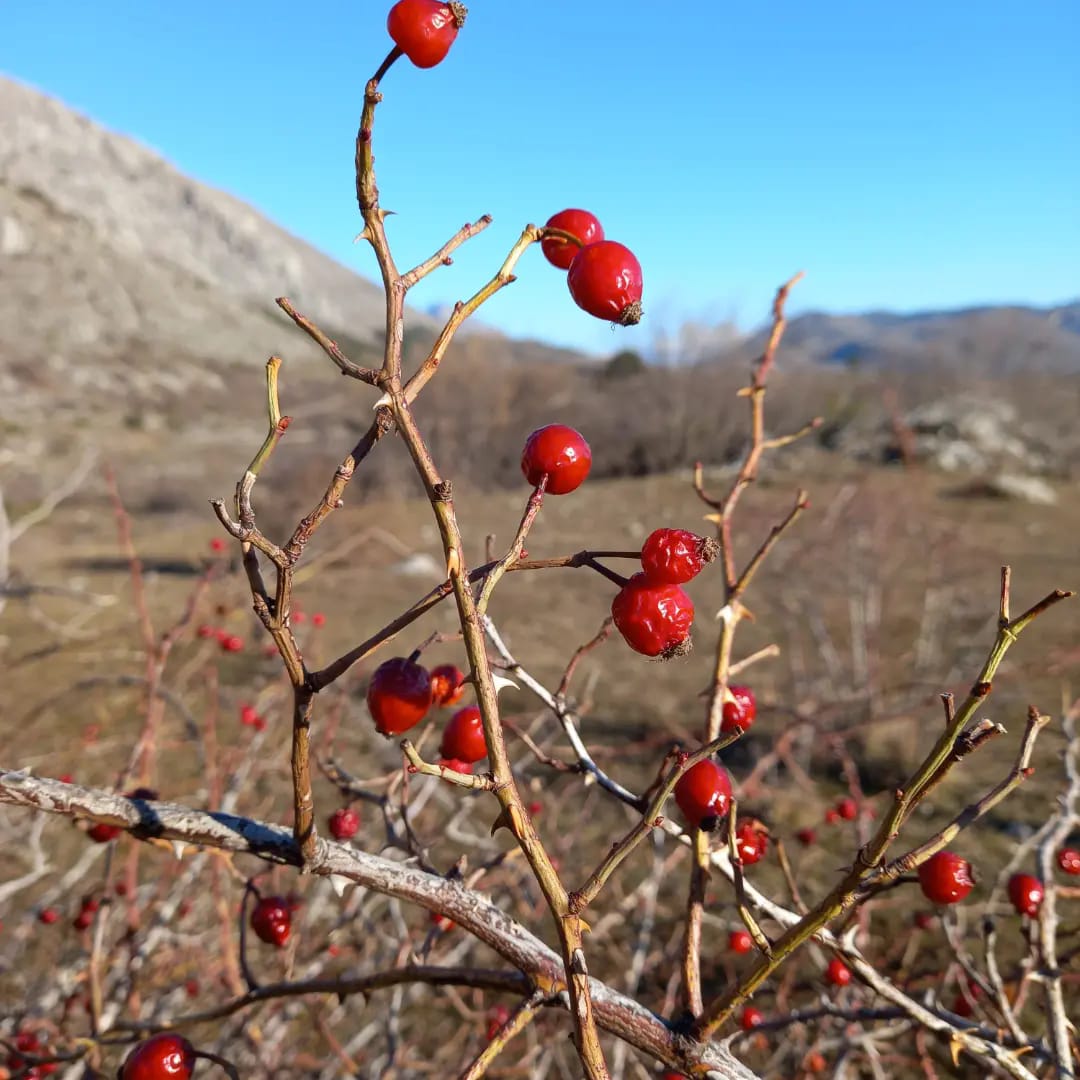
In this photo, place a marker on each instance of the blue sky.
(915, 155)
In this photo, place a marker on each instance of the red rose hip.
(605, 281)
(675, 556)
(1068, 859)
(654, 620)
(740, 708)
(463, 738)
(837, 972)
(424, 30)
(751, 1018)
(271, 919)
(560, 453)
(751, 842)
(946, 878)
(1026, 893)
(740, 941)
(703, 793)
(447, 685)
(167, 1056)
(580, 223)
(399, 695)
(344, 823)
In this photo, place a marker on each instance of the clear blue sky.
(915, 155)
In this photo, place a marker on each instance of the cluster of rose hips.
(250, 717)
(228, 642)
(651, 611)
(604, 277)
(29, 1042)
(402, 691)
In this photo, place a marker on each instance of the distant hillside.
(983, 340)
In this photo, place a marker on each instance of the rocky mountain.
(983, 340)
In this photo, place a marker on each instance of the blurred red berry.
(121, 888)
(924, 920)
(232, 643)
(815, 1062)
(496, 1017)
(441, 923)
(447, 685)
(806, 837)
(399, 695)
(740, 941)
(946, 878)
(318, 619)
(751, 1018)
(579, 223)
(605, 280)
(703, 794)
(217, 544)
(463, 737)
(654, 620)
(48, 916)
(675, 556)
(838, 972)
(248, 715)
(259, 723)
(101, 833)
(66, 778)
(832, 816)
(90, 904)
(424, 30)
(1068, 859)
(344, 823)
(740, 708)
(83, 920)
(847, 808)
(271, 919)
(561, 454)
(1026, 893)
(167, 1056)
(751, 842)
(535, 808)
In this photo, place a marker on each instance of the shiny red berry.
(838, 972)
(847, 808)
(271, 919)
(399, 695)
(946, 878)
(751, 1018)
(751, 842)
(101, 833)
(447, 685)
(740, 708)
(424, 30)
(675, 556)
(464, 736)
(344, 823)
(740, 941)
(1026, 893)
(703, 793)
(1068, 859)
(653, 619)
(605, 281)
(167, 1056)
(580, 223)
(560, 453)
